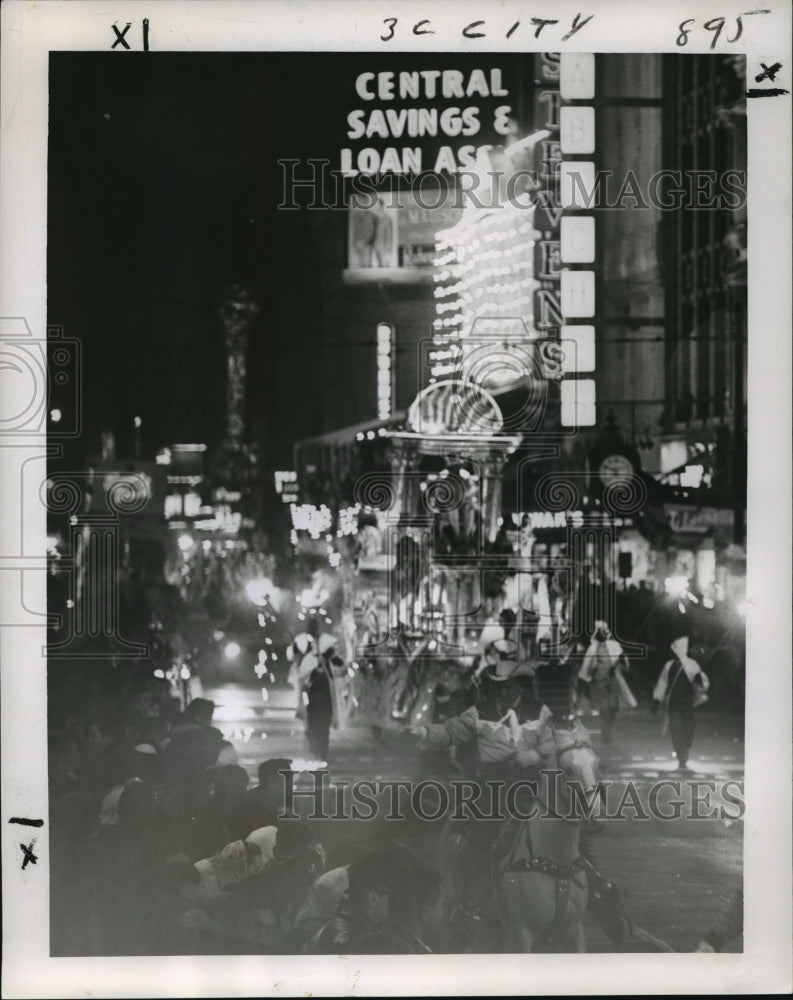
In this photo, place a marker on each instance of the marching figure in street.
(504, 747)
(320, 697)
(681, 687)
(600, 678)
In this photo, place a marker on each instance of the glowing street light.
(260, 591)
(232, 650)
(676, 586)
(185, 543)
(313, 597)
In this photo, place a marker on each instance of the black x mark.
(769, 72)
(29, 855)
(120, 36)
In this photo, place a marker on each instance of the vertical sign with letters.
(547, 264)
(577, 237)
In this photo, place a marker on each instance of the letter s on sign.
(552, 357)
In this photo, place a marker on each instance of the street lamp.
(314, 597)
(260, 591)
(676, 586)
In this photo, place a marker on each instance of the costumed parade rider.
(511, 728)
(503, 745)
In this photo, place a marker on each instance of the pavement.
(640, 749)
(676, 875)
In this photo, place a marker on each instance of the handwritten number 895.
(716, 25)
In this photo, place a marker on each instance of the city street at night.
(442, 500)
(675, 877)
(395, 586)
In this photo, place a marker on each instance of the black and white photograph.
(409, 568)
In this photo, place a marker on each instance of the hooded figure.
(319, 697)
(680, 688)
(237, 861)
(601, 678)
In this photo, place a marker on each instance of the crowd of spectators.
(161, 844)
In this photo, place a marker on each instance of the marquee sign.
(454, 407)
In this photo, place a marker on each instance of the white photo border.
(29, 32)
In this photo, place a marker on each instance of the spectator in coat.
(680, 688)
(415, 915)
(265, 802)
(319, 704)
(362, 911)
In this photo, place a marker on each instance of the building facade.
(632, 260)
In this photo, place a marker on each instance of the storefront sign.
(388, 234)
(417, 142)
(224, 519)
(697, 519)
(286, 485)
(382, 562)
(399, 111)
(544, 519)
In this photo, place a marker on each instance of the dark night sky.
(163, 187)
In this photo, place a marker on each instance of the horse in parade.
(518, 877)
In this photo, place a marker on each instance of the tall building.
(631, 260)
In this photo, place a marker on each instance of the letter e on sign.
(577, 76)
